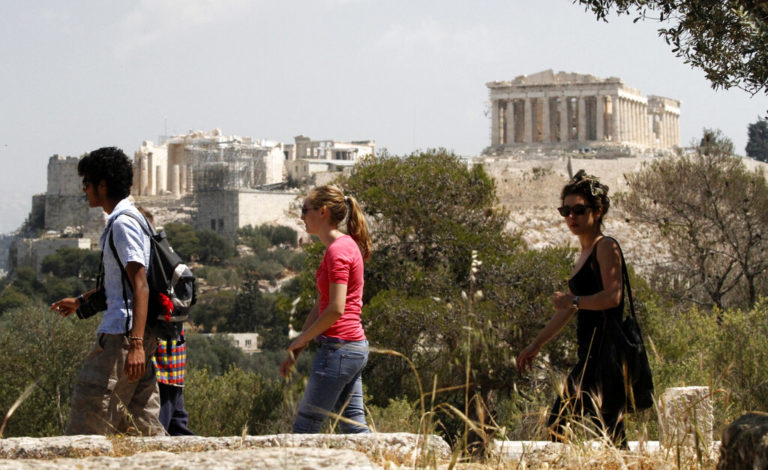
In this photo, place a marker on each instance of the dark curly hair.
(591, 189)
(111, 165)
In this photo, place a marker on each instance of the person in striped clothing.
(170, 362)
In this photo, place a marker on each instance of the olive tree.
(713, 213)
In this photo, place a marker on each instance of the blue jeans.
(335, 386)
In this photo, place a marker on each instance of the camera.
(94, 304)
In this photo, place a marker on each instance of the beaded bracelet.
(135, 338)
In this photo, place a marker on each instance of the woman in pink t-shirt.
(335, 384)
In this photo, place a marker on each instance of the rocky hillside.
(530, 189)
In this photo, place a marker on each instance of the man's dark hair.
(111, 165)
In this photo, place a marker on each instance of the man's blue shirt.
(132, 244)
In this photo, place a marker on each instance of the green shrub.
(398, 416)
(39, 346)
(225, 405)
(724, 350)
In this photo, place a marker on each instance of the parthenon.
(572, 110)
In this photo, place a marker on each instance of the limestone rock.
(685, 420)
(397, 447)
(272, 451)
(745, 443)
(263, 459)
(52, 447)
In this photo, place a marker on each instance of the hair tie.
(595, 188)
(346, 198)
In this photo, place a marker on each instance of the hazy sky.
(411, 74)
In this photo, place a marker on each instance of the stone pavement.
(282, 451)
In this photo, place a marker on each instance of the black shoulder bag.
(629, 345)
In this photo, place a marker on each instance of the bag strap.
(625, 279)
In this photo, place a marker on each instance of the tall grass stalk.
(24, 395)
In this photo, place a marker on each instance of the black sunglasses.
(578, 209)
(86, 182)
(305, 209)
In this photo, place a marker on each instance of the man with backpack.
(116, 391)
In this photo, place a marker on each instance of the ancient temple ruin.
(575, 111)
(206, 161)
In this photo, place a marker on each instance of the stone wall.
(63, 212)
(262, 207)
(62, 176)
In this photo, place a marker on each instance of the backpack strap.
(123, 280)
(123, 273)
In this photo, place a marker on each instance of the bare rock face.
(281, 451)
(745, 443)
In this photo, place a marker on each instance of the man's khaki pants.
(106, 402)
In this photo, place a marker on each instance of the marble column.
(545, 124)
(635, 123)
(495, 123)
(615, 118)
(143, 175)
(582, 117)
(638, 122)
(151, 177)
(190, 179)
(183, 179)
(600, 117)
(509, 120)
(528, 122)
(175, 180)
(159, 180)
(677, 130)
(563, 119)
(644, 116)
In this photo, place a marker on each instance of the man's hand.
(136, 364)
(65, 307)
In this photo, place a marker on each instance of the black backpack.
(172, 290)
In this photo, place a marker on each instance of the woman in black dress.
(592, 390)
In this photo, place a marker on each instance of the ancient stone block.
(685, 420)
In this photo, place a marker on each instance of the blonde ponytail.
(357, 227)
(343, 207)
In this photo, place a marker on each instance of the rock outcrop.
(745, 443)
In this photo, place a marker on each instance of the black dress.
(594, 388)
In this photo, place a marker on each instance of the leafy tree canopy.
(183, 239)
(714, 214)
(727, 39)
(757, 143)
(72, 262)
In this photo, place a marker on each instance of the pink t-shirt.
(343, 264)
